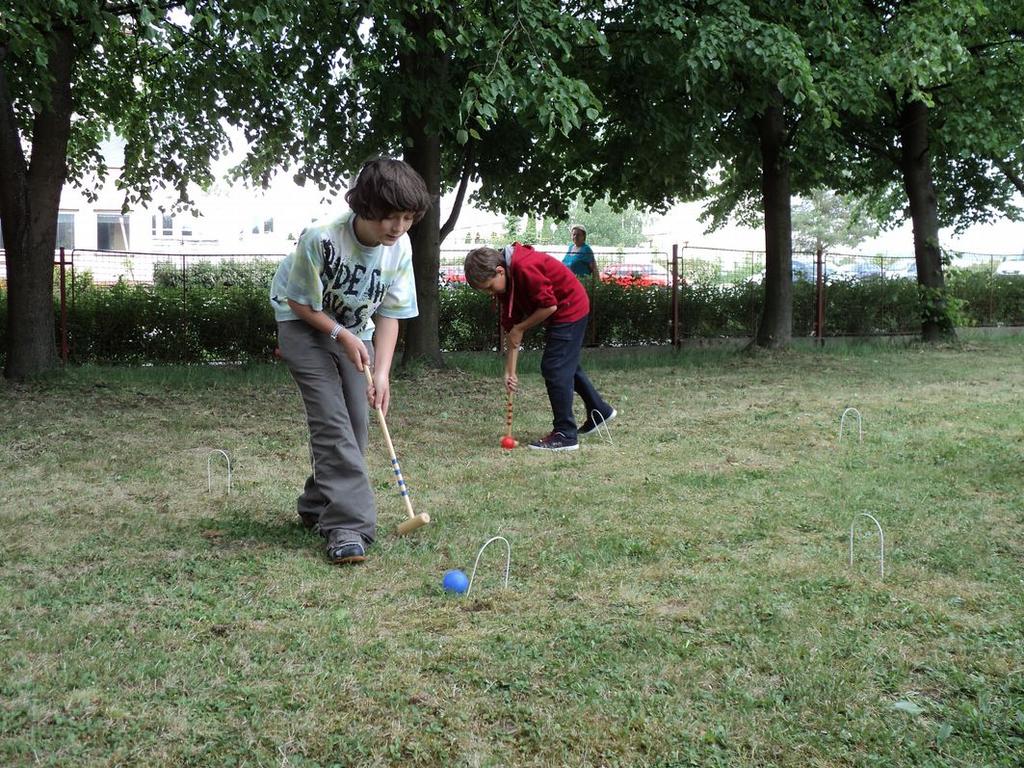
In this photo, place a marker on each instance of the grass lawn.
(679, 596)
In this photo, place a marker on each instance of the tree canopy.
(72, 74)
(645, 102)
(929, 121)
(317, 87)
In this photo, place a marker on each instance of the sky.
(230, 210)
(293, 207)
(681, 226)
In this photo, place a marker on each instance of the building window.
(152, 230)
(168, 222)
(111, 232)
(268, 225)
(65, 230)
(186, 229)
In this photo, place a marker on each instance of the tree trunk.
(423, 67)
(29, 204)
(936, 324)
(776, 326)
(422, 337)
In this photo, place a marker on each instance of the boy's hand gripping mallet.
(415, 521)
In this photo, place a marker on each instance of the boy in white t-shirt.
(337, 300)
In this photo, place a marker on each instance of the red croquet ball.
(508, 443)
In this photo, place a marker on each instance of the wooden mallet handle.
(508, 416)
(415, 521)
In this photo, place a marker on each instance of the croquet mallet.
(415, 521)
(508, 442)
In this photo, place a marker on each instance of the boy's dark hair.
(481, 265)
(386, 186)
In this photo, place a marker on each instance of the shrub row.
(224, 314)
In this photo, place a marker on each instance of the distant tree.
(531, 229)
(823, 219)
(606, 226)
(550, 231)
(515, 228)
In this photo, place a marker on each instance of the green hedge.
(868, 307)
(988, 299)
(138, 323)
(221, 312)
(469, 321)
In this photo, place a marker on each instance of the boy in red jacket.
(533, 288)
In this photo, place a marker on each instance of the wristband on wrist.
(337, 329)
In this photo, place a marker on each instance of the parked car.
(450, 274)
(636, 274)
(904, 270)
(858, 270)
(1013, 265)
(802, 270)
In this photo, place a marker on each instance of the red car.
(450, 274)
(636, 274)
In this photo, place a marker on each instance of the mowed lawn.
(680, 595)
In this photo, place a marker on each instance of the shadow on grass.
(230, 529)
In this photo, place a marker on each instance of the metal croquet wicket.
(508, 561)
(881, 541)
(209, 473)
(842, 423)
(601, 426)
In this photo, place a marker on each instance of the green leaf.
(908, 707)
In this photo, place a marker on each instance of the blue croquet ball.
(455, 581)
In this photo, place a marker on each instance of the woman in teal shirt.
(580, 258)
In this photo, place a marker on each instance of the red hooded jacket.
(535, 280)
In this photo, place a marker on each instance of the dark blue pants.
(560, 366)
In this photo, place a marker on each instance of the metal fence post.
(184, 309)
(63, 311)
(676, 336)
(819, 323)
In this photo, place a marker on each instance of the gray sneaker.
(341, 551)
(556, 441)
(590, 426)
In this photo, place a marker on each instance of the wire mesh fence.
(138, 306)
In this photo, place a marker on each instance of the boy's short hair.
(481, 265)
(385, 186)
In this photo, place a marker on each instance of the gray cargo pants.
(334, 394)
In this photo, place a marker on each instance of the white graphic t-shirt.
(331, 270)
